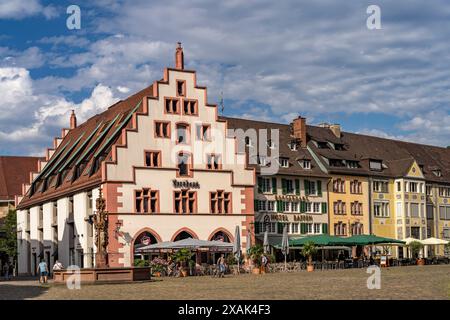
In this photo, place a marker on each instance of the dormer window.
(375, 165)
(284, 162)
(437, 173)
(293, 145)
(336, 163)
(322, 145)
(352, 164)
(339, 146)
(305, 164)
(262, 161)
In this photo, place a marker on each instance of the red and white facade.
(171, 170)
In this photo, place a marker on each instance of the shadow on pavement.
(21, 292)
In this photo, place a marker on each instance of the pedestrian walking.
(43, 271)
(6, 271)
(221, 264)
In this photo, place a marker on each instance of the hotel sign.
(297, 217)
(185, 184)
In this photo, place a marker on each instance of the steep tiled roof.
(284, 149)
(397, 156)
(13, 172)
(75, 164)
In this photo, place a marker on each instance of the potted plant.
(140, 263)
(308, 250)
(158, 266)
(182, 256)
(255, 253)
(416, 247)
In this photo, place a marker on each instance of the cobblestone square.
(413, 282)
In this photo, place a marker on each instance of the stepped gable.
(75, 164)
(14, 170)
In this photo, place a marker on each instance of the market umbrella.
(249, 242)
(433, 242)
(368, 239)
(285, 245)
(319, 240)
(266, 241)
(407, 241)
(237, 245)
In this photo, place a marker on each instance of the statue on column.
(100, 220)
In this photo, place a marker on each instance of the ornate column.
(101, 232)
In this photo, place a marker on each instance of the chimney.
(336, 129)
(73, 120)
(179, 57)
(299, 130)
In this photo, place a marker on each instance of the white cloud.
(19, 9)
(29, 116)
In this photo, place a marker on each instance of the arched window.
(220, 236)
(183, 235)
(144, 239)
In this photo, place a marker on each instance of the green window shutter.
(297, 186)
(279, 203)
(283, 186)
(280, 227)
(306, 187)
(319, 188)
(302, 206)
(324, 228)
(274, 185)
(260, 184)
(324, 207)
(302, 228)
(257, 227)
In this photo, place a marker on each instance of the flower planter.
(420, 262)
(310, 268)
(256, 271)
(184, 273)
(157, 274)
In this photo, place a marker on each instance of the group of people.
(43, 271)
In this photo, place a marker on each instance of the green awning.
(319, 240)
(369, 239)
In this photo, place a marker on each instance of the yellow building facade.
(382, 207)
(349, 205)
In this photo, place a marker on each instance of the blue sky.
(272, 60)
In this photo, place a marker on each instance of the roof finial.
(179, 57)
(73, 120)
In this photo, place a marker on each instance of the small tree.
(415, 247)
(8, 243)
(255, 253)
(182, 256)
(308, 250)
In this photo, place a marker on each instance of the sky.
(270, 60)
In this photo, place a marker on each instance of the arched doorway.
(183, 235)
(143, 239)
(220, 236)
